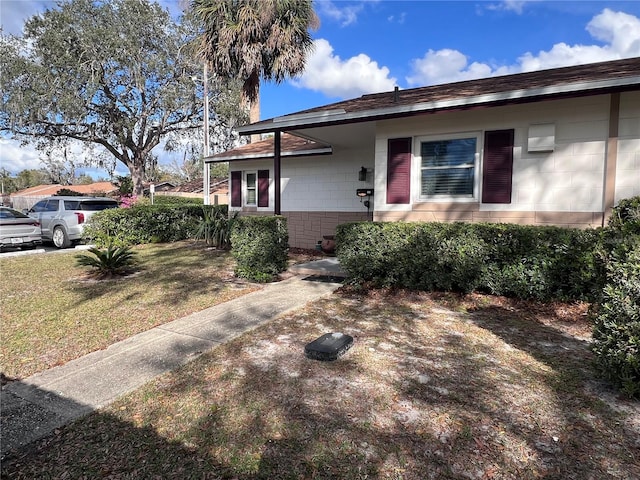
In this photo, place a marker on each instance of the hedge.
(543, 263)
(616, 313)
(260, 246)
(145, 224)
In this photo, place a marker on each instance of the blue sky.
(371, 46)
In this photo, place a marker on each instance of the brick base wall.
(472, 213)
(307, 228)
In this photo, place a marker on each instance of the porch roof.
(291, 146)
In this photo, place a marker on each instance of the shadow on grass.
(402, 403)
(175, 270)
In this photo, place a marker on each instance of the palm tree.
(254, 39)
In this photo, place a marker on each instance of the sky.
(375, 45)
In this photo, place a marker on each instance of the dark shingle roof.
(542, 83)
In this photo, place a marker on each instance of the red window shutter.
(263, 188)
(399, 170)
(497, 168)
(236, 189)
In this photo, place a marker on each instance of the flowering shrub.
(127, 201)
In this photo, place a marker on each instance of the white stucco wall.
(319, 184)
(628, 164)
(569, 179)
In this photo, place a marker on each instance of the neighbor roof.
(580, 80)
(48, 190)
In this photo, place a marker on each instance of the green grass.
(435, 386)
(54, 311)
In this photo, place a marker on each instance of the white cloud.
(397, 18)
(13, 13)
(334, 77)
(618, 32)
(516, 6)
(345, 15)
(15, 157)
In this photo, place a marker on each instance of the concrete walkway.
(34, 407)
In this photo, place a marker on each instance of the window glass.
(71, 204)
(251, 188)
(40, 206)
(97, 205)
(448, 167)
(51, 206)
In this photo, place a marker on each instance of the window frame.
(417, 158)
(245, 188)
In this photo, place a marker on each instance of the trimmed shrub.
(616, 314)
(625, 217)
(616, 332)
(523, 261)
(260, 246)
(176, 200)
(145, 224)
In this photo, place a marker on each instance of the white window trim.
(245, 188)
(417, 168)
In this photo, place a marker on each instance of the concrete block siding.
(569, 179)
(627, 180)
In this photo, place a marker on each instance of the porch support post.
(276, 172)
(611, 159)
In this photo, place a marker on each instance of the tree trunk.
(137, 176)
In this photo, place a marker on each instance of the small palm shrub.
(215, 228)
(109, 261)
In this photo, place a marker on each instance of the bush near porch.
(259, 246)
(528, 262)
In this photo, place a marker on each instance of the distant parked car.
(18, 229)
(63, 218)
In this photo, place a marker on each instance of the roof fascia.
(307, 120)
(266, 156)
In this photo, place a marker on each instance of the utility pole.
(206, 173)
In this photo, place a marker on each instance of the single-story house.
(28, 197)
(218, 190)
(552, 147)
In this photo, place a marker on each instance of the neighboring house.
(25, 199)
(218, 190)
(553, 147)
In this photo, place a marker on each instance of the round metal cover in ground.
(328, 347)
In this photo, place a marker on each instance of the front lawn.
(435, 387)
(53, 312)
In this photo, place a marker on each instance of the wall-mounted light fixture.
(362, 174)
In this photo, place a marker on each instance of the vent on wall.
(542, 138)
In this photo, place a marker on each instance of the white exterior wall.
(317, 184)
(569, 179)
(628, 162)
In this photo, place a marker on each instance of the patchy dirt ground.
(436, 386)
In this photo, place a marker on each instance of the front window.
(447, 167)
(251, 198)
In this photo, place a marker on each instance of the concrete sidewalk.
(34, 407)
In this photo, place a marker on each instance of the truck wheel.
(60, 238)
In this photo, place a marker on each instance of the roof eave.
(328, 117)
(263, 156)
